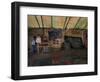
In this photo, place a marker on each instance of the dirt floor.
(58, 57)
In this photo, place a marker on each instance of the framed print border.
(15, 40)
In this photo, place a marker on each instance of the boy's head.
(34, 37)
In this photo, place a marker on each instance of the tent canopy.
(63, 22)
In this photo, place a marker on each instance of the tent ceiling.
(57, 22)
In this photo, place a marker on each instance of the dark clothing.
(34, 49)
